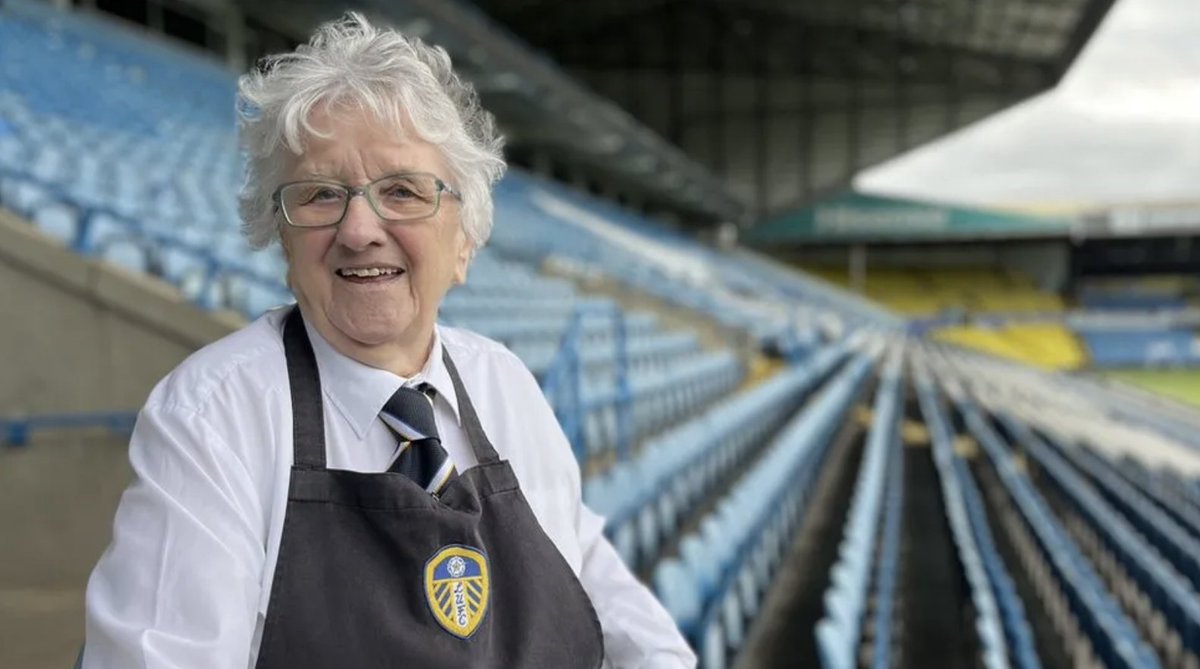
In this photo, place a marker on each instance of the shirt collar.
(359, 391)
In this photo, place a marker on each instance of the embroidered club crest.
(456, 588)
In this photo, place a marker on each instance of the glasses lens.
(405, 196)
(313, 204)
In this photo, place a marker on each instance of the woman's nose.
(361, 227)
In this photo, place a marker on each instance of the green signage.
(855, 217)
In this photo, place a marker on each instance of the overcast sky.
(1123, 126)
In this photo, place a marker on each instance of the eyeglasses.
(394, 198)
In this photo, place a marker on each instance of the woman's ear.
(462, 259)
(286, 249)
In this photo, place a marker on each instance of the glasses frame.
(364, 190)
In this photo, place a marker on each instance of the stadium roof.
(541, 108)
(865, 79)
(735, 109)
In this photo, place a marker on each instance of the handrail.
(564, 379)
(15, 432)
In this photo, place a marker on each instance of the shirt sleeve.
(638, 631)
(180, 582)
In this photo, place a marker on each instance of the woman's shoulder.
(244, 364)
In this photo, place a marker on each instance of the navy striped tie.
(422, 458)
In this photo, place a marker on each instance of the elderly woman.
(345, 483)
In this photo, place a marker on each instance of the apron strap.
(308, 415)
(308, 418)
(484, 451)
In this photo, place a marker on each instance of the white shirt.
(187, 578)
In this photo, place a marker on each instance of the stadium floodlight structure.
(787, 100)
(544, 112)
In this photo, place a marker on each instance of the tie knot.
(409, 412)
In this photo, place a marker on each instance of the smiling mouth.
(369, 274)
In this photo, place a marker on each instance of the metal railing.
(565, 379)
(15, 432)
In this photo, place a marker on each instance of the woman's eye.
(399, 193)
(325, 195)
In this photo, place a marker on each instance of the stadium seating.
(928, 292)
(1172, 495)
(704, 472)
(1142, 347)
(644, 499)
(715, 585)
(840, 631)
(145, 177)
(1044, 345)
(1136, 294)
(1171, 534)
(1001, 623)
(1131, 302)
(1114, 638)
(1169, 590)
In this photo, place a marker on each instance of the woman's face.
(386, 318)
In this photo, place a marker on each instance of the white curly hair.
(401, 80)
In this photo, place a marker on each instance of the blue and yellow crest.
(456, 588)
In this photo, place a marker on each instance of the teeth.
(366, 272)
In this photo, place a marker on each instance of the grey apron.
(375, 572)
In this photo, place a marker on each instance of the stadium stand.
(1044, 345)
(150, 187)
(1142, 348)
(928, 292)
(1140, 294)
(1071, 511)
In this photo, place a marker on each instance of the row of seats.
(716, 585)
(1131, 301)
(1045, 345)
(887, 569)
(1000, 622)
(541, 341)
(1171, 494)
(841, 629)
(651, 400)
(1118, 404)
(928, 292)
(588, 238)
(1174, 541)
(645, 499)
(1169, 592)
(1113, 637)
(1142, 348)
